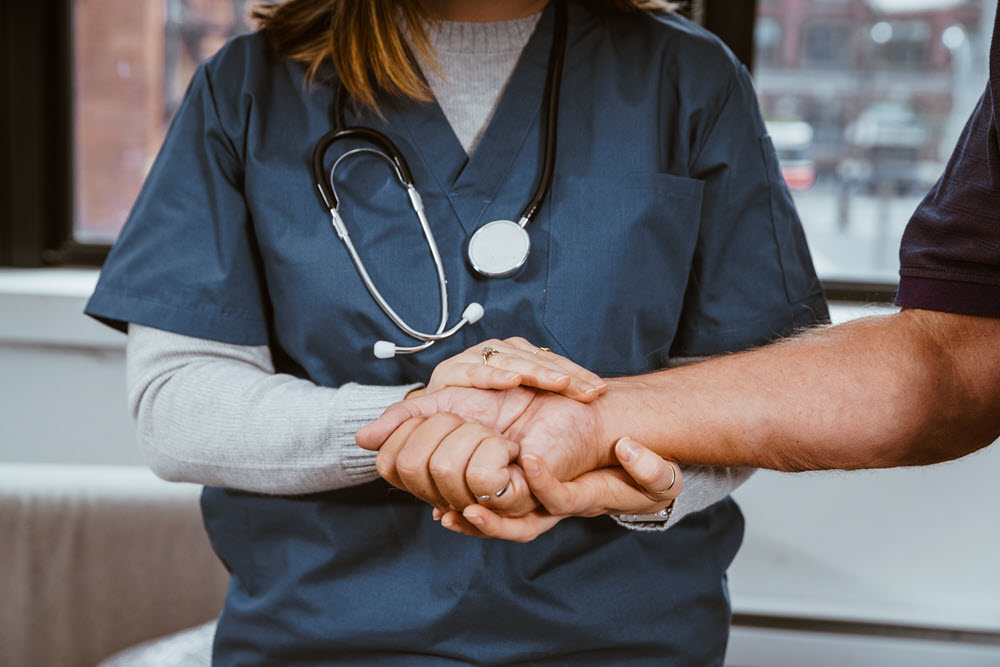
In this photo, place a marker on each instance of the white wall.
(62, 381)
(918, 548)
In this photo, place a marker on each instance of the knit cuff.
(357, 406)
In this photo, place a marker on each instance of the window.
(767, 39)
(132, 63)
(826, 43)
(900, 44)
(866, 114)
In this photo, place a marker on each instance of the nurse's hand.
(446, 461)
(637, 487)
(517, 362)
(566, 433)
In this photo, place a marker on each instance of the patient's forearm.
(912, 388)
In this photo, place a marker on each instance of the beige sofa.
(94, 559)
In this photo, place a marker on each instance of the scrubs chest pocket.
(620, 250)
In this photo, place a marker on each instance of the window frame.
(36, 163)
(37, 147)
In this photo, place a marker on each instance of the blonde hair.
(365, 40)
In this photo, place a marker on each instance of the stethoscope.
(496, 250)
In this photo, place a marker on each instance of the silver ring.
(498, 493)
(487, 353)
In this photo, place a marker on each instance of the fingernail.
(475, 520)
(589, 388)
(556, 376)
(627, 450)
(531, 467)
(510, 376)
(437, 514)
(447, 522)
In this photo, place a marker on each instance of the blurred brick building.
(832, 62)
(132, 63)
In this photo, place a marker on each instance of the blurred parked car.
(886, 140)
(793, 144)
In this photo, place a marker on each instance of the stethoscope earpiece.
(473, 313)
(385, 349)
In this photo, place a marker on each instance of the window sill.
(45, 307)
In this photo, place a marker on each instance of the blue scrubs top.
(668, 231)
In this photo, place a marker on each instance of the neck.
(482, 11)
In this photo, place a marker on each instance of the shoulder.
(686, 39)
(690, 66)
(677, 43)
(243, 61)
(246, 78)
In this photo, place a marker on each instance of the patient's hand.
(644, 484)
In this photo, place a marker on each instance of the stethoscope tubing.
(391, 154)
(377, 295)
(553, 81)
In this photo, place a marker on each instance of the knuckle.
(384, 464)
(479, 477)
(444, 420)
(441, 466)
(494, 441)
(408, 466)
(413, 422)
(516, 340)
(498, 443)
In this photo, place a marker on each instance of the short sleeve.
(186, 260)
(950, 254)
(752, 278)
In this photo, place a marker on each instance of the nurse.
(666, 232)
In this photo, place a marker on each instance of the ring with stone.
(487, 353)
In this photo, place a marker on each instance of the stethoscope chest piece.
(499, 249)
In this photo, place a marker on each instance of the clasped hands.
(511, 447)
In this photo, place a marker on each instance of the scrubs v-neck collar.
(470, 183)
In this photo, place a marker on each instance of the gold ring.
(487, 353)
(541, 349)
(673, 480)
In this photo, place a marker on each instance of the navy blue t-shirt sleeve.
(186, 259)
(950, 254)
(949, 259)
(752, 278)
